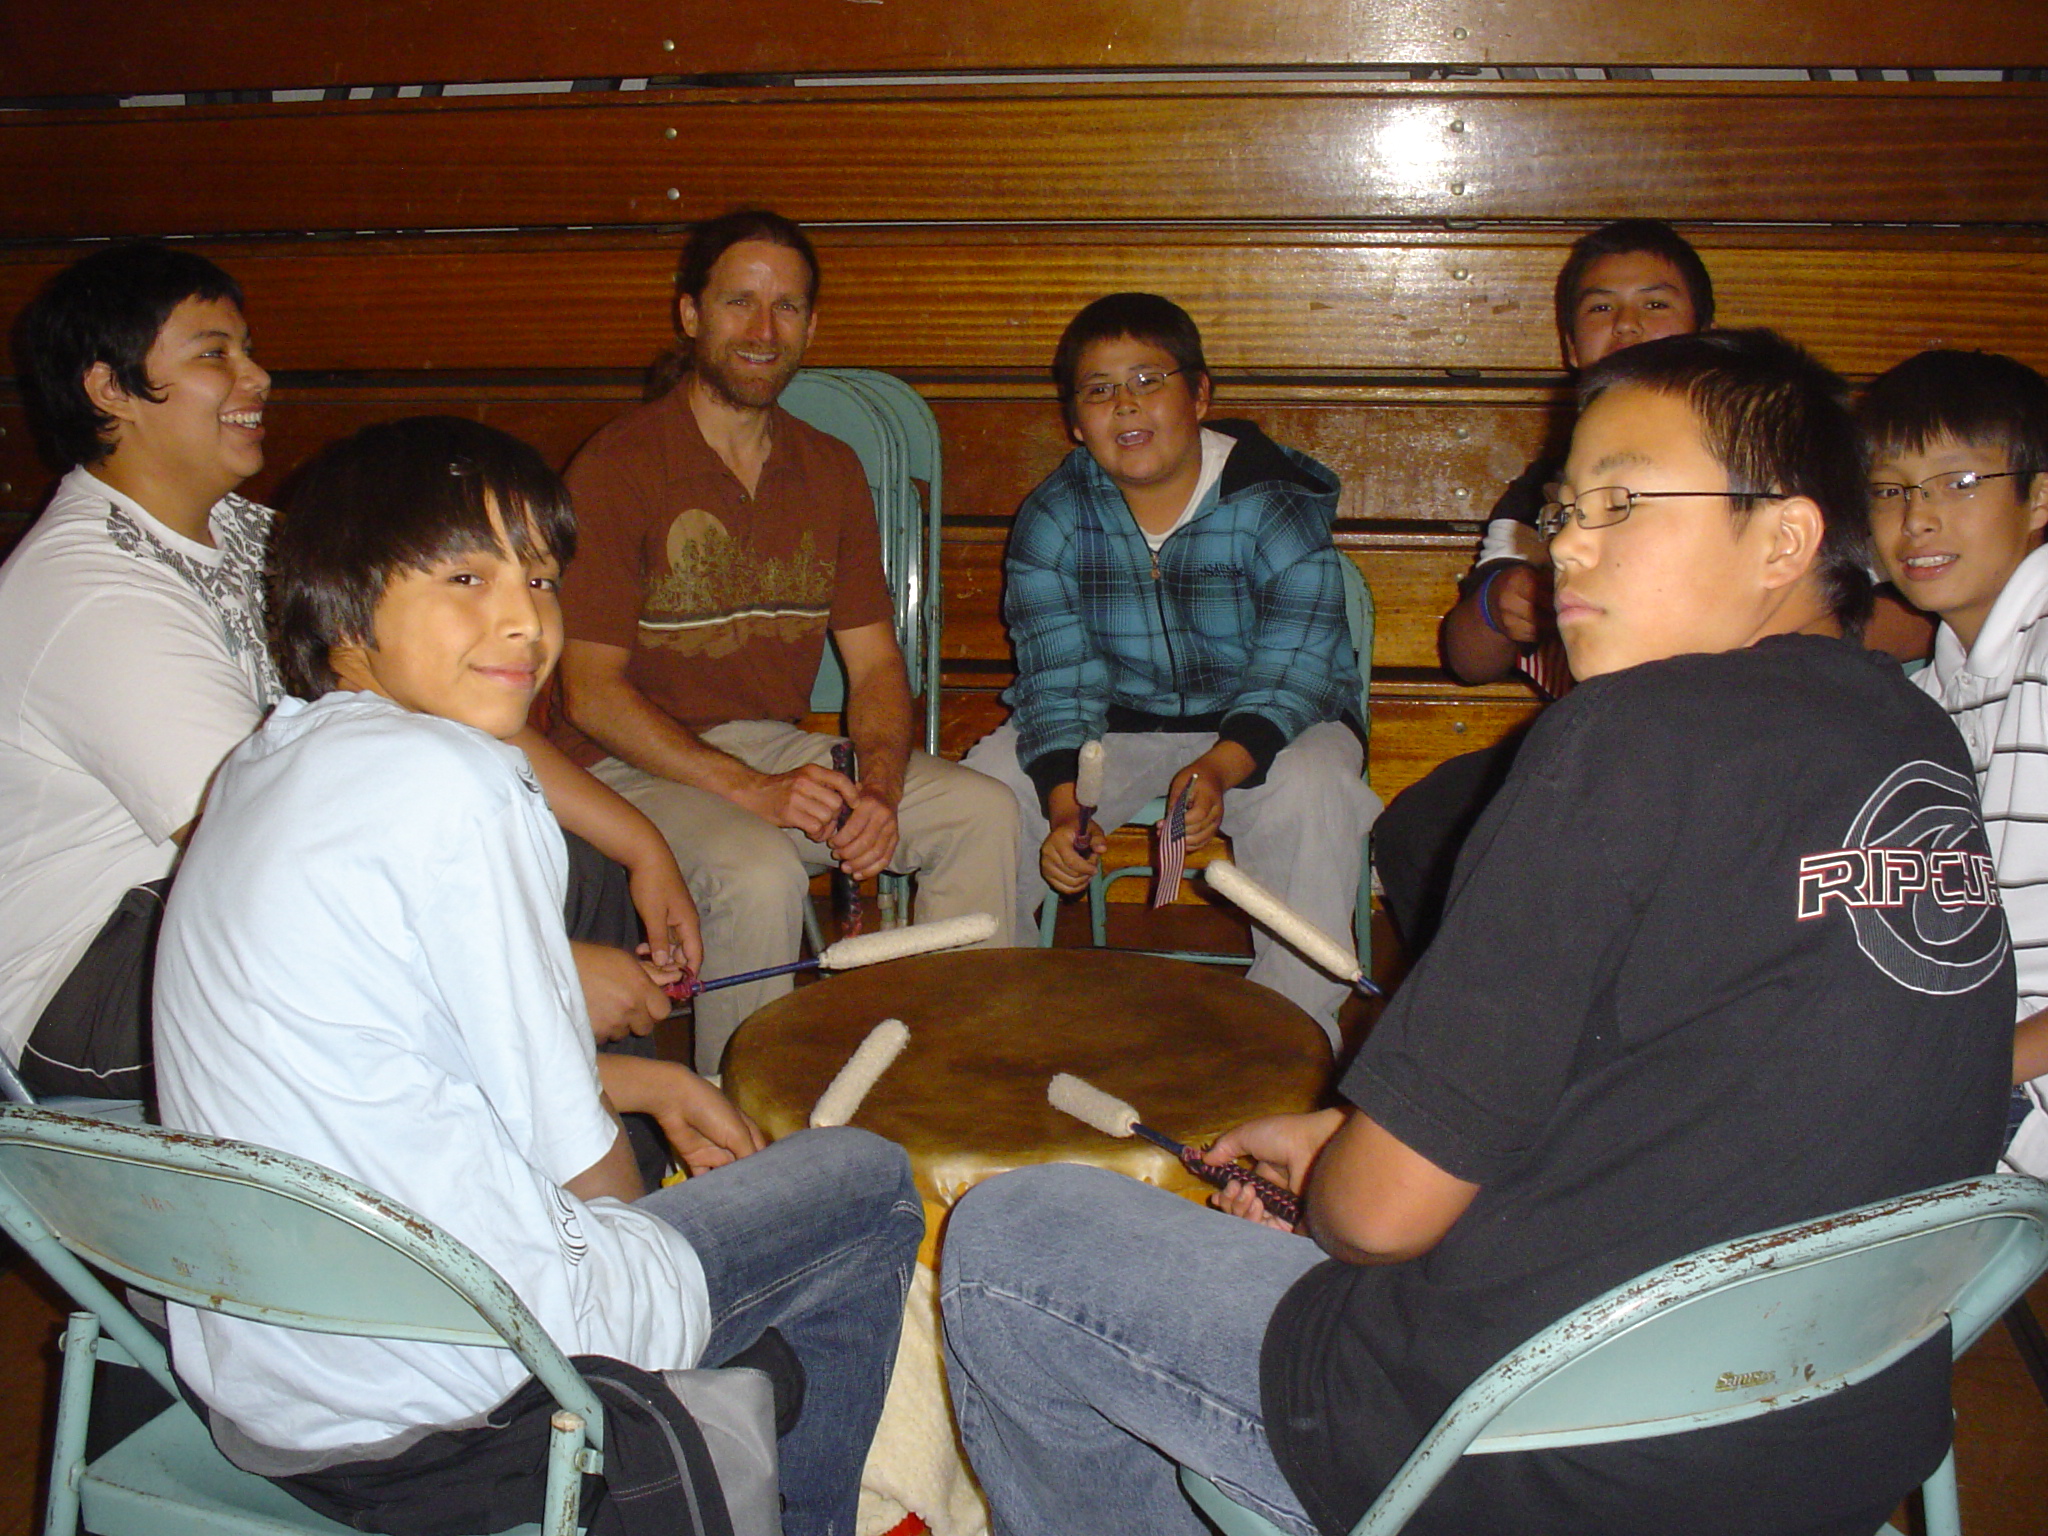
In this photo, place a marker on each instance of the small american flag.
(1548, 668)
(1172, 856)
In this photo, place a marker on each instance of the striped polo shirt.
(1997, 694)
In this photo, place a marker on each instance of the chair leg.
(1940, 1512)
(74, 1408)
(2031, 1341)
(814, 933)
(1048, 919)
(564, 1495)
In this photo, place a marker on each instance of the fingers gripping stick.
(1088, 794)
(1288, 925)
(1113, 1117)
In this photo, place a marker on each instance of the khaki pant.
(958, 832)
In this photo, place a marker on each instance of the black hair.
(1985, 399)
(398, 496)
(1778, 421)
(1624, 237)
(108, 308)
(1142, 317)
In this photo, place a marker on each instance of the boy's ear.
(1795, 528)
(1203, 394)
(2037, 503)
(106, 394)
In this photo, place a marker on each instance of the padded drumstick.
(1113, 1117)
(863, 1069)
(862, 949)
(1288, 925)
(1087, 794)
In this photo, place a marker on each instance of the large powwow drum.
(1194, 1050)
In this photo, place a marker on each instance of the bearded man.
(721, 538)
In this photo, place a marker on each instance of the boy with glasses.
(1958, 443)
(1724, 954)
(1171, 590)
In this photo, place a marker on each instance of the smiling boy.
(1662, 1013)
(364, 963)
(1958, 443)
(1172, 590)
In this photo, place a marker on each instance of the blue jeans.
(1099, 1331)
(816, 1236)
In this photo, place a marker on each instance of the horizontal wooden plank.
(118, 47)
(1414, 579)
(1327, 303)
(1407, 452)
(1402, 452)
(1896, 153)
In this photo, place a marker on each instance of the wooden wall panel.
(1415, 452)
(120, 47)
(1896, 153)
(1413, 576)
(995, 298)
(1403, 452)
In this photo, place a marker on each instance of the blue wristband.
(1486, 605)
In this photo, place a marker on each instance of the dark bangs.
(399, 496)
(1984, 399)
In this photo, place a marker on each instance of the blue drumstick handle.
(1081, 844)
(1280, 1202)
(1369, 987)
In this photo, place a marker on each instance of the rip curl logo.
(1916, 883)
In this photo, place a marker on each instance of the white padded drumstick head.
(917, 939)
(863, 1069)
(1286, 924)
(1088, 782)
(1090, 1105)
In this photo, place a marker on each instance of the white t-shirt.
(1997, 695)
(1216, 448)
(131, 661)
(363, 962)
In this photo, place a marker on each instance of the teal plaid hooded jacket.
(1238, 627)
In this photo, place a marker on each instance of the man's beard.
(752, 390)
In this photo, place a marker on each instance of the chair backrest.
(1359, 614)
(1748, 1327)
(252, 1233)
(893, 434)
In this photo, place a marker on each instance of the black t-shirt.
(1668, 1007)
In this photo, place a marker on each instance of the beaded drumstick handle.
(846, 908)
(1113, 1117)
(1087, 794)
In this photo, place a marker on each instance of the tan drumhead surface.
(1194, 1049)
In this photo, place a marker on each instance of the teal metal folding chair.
(1358, 613)
(248, 1233)
(894, 435)
(1745, 1328)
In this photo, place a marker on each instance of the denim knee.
(867, 1177)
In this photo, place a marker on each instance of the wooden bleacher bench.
(1370, 253)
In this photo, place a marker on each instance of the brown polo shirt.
(723, 598)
